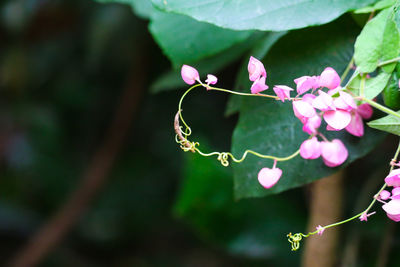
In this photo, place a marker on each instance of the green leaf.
(368, 46)
(391, 93)
(247, 227)
(185, 40)
(269, 127)
(242, 82)
(376, 7)
(172, 79)
(373, 86)
(262, 15)
(390, 43)
(389, 123)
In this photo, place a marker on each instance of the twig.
(93, 179)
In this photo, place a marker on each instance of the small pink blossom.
(306, 83)
(329, 78)
(259, 85)
(269, 177)
(337, 119)
(396, 193)
(309, 98)
(303, 110)
(312, 124)
(320, 230)
(211, 79)
(189, 74)
(282, 91)
(356, 125)
(323, 102)
(393, 179)
(364, 216)
(365, 111)
(256, 69)
(333, 153)
(392, 209)
(310, 148)
(384, 195)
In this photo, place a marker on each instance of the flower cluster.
(335, 106)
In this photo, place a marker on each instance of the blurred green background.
(63, 68)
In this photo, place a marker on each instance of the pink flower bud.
(305, 83)
(256, 69)
(323, 102)
(258, 86)
(365, 111)
(310, 149)
(356, 125)
(337, 119)
(211, 79)
(320, 230)
(269, 177)
(384, 195)
(333, 153)
(189, 74)
(392, 209)
(329, 78)
(312, 124)
(303, 110)
(393, 179)
(282, 91)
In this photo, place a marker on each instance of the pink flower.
(329, 78)
(312, 124)
(396, 193)
(393, 179)
(303, 110)
(305, 83)
(256, 69)
(323, 102)
(189, 74)
(365, 111)
(333, 153)
(259, 85)
(211, 79)
(392, 209)
(364, 216)
(310, 149)
(282, 91)
(309, 98)
(384, 195)
(345, 101)
(356, 125)
(269, 177)
(337, 119)
(320, 230)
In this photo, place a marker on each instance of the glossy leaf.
(373, 86)
(270, 127)
(391, 93)
(367, 49)
(185, 40)
(262, 15)
(389, 123)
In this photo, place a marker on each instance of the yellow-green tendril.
(294, 239)
(183, 132)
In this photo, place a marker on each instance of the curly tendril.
(183, 132)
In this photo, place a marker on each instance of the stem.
(362, 85)
(240, 93)
(346, 71)
(380, 107)
(383, 63)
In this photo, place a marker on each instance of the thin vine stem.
(380, 107)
